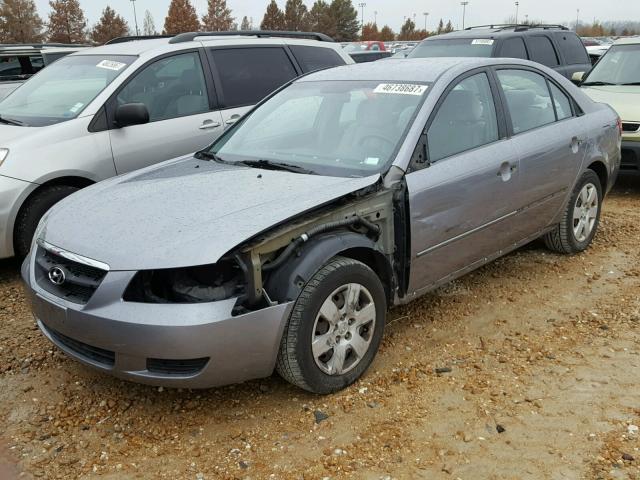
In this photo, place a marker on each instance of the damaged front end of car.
(274, 266)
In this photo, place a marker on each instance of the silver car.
(109, 110)
(349, 191)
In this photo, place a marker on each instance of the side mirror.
(578, 77)
(131, 114)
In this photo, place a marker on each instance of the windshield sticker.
(482, 41)
(76, 107)
(371, 161)
(111, 65)
(401, 89)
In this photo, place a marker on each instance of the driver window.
(466, 119)
(171, 87)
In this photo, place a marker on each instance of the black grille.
(176, 367)
(81, 281)
(630, 160)
(99, 355)
(630, 127)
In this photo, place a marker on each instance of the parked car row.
(321, 193)
(20, 62)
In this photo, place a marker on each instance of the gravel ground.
(527, 368)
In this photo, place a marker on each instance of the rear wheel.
(31, 213)
(335, 328)
(580, 221)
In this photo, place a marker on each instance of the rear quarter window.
(572, 48)
(316, 58)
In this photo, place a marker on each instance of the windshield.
(454, 47)
(61, 91)
(338, 128)
(355, 47)
(619, 66)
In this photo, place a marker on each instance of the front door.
(461, 205)
(175, 92)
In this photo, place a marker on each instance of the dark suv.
(555, 46)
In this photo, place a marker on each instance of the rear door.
(461, 200)
(181, 106)
(245, 75)
(542, 50)
(549, 139)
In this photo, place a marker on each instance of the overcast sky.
(393, 12)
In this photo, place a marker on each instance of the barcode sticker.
(482, 41)
(111, 65)
(401, 89)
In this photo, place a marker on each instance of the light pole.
(517, 10)
(464, 12)
(577, 20)
(526, 19)
(375, 17)
(426, 15)
(362, 5)
(135, 17)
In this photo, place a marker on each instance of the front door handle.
(209, 124)
(233, 119)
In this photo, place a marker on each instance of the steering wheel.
(386, 140)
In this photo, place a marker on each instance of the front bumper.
(190, 346)
(12, 191)
(630, 156)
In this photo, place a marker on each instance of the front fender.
(286, 283)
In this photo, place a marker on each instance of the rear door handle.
(507, 170)
(233, 119)
(209, 124)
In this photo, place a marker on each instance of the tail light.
(620, 126)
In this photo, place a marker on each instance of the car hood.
(624, 99)
(184, 212)
(9, 133)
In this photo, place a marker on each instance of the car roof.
(407, 70)
(628, 41)
(163, 45)
(496, 31)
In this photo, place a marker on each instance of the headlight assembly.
(206, 283)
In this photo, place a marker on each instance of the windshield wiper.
(630, 84)
(597, 84)
(271, 165)
(11, 121)
(206, 155)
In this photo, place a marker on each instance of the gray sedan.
(348, 191)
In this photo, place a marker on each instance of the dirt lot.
(541, 356)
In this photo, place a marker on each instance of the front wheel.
(581, 218)
(335, 328)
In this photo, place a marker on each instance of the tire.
(329, 372)
(567, 237)
(31, 213)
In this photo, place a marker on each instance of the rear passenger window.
(561, 102)
(247, 75)
(528, 99)
(572, 48)
(465, 120)
(316, 58)
(513, 48)
(542, 51)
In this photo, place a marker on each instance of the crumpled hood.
(184, 212)
(624, 99)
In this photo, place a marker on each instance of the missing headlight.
(206, 283)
